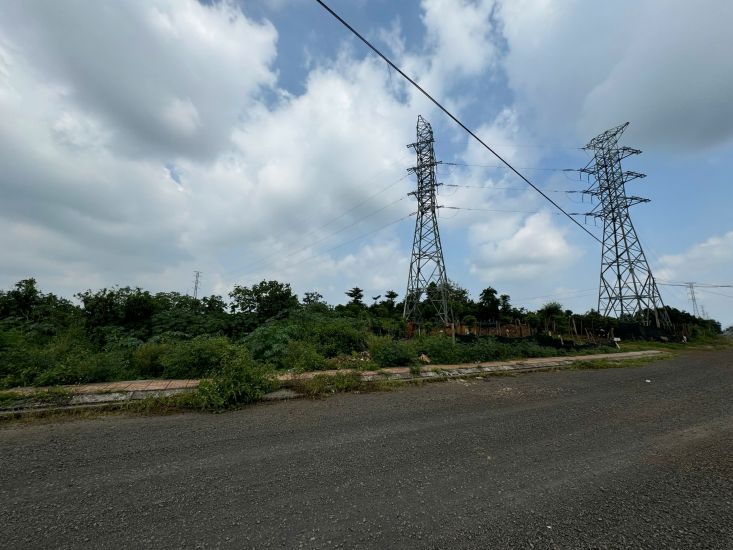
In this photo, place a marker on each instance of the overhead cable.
(452, 116)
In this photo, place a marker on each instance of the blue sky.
(258, 140)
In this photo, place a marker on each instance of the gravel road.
(638, 457)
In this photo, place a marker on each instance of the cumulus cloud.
(584, 67)
(707, 262)
(459, 46)
(711, 259)
(89, 172)
(533, 247)
(460, 35)
(150, 139)
(166, 77)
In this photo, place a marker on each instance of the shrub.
(330, 337)
(239, 380)
(195, 358)
(147, 359)
(387, 352)
(337, 336)
(302, 357)
(440, 349)
(323, 384)
(269, 342)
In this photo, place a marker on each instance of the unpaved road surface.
(569, 459)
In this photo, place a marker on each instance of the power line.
(705, 287)
(314, 230)
(708, 291)
(515, 188)
(318, 241)
(452, 116)
(701, 285)
(344, 213)
(498, 210)
(566, 295)
(336, 247)
(502, 166)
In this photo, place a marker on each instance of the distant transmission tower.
(427, 267)
(196, 275)
(693, 299)
(627, 286)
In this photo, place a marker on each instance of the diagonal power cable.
(453, 117)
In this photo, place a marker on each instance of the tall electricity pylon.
(627, 286)
(693, 299)
(427, 268)
(196, 276)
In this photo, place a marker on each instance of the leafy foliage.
(237, 381)
(126, 333)
(386, 352)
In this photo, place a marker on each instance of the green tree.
(549, 314)
(20, 301)
(314, 303)
(312, 298)
(389, 299)
(357, 295)
(119, 310)
(264, 300)
(488, 304)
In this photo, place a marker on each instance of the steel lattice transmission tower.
(427, 268)
(627, 286)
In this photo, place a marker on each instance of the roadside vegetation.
(238, 344)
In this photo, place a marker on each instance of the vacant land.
(618, 458)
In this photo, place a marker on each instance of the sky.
(143, 140)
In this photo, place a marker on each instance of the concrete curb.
(116, 393)
(466, 369)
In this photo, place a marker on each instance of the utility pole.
(627, 286)
(196, 275)
(427, 268)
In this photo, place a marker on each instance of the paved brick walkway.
(394, 372)
(534, 362)
(134, 385)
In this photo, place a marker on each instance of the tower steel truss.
(627, 286)
(427, 268)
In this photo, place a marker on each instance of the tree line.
(125, 332)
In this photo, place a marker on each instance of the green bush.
(323, 384)
(387, 352)
(440, 349)
(147, 359)
(194, 358)
(337, 336)
(302, 357)
(269, 342)
(239, 380)
(328, 336)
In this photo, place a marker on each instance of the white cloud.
(581, 67)
(707, 261)
(181, 117)
(166, 77)
(459, 32)
(531, 248)
(174, 89)
(460, 46)
(502, 134)
(87, 189)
